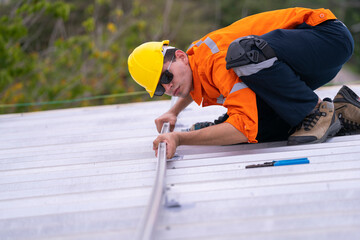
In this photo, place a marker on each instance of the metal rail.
(148, 221)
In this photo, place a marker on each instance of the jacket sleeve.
(240, 104)
(262, 23)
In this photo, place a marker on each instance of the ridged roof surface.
(87, 173)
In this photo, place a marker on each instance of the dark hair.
(170, 53)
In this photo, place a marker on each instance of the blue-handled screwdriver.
(280, 163)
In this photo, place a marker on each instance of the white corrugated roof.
(87, 173)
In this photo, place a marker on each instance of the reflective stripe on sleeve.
(198, 43)
(220, 99)
(209, 43)
(190, 47)
(237, 86)
(212, 45)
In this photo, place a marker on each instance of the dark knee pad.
(248, 55)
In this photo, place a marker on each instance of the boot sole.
(332, 131)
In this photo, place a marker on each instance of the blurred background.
(73, 53)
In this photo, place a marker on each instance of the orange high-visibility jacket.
(214, 85)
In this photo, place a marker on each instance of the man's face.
(181, 84)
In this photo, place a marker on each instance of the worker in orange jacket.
(262, 68)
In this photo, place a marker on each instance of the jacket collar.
(196, 93)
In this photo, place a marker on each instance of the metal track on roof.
(148, 222)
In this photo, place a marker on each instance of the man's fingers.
(172, 126)
(166, 117)
(169, 153)
(158, 124)
(170, 150)
(170, 142)
(156, 144)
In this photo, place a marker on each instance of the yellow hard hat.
(145, 64)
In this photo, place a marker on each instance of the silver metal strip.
(148, 221)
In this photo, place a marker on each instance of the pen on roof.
(280, 163)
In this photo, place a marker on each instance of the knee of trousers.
(249, 55)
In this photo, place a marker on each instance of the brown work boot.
(320, 124)
(347, 108)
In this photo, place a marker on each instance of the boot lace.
(310, 120)
(348, 125)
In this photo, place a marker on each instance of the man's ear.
(181, 55)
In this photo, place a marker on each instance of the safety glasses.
(165, 78)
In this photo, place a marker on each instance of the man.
(262, 68)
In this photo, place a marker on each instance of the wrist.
(173, 112)
(177, 138)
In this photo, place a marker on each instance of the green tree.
(53, 50)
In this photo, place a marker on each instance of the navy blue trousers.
(308, 57)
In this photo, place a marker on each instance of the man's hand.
(171, 115)
(221, 134)
(171, 140)
(166, 117)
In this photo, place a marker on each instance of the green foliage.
(85, 64)
(56, 9)
(13, 61)
(52, 50)
(89, 24)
